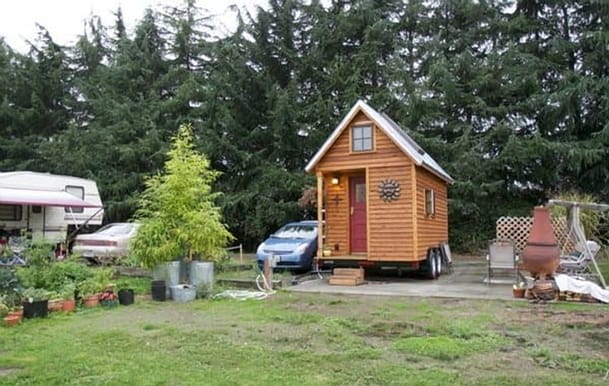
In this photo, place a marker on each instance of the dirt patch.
(574, 319)
(392, 329)
(4, 371)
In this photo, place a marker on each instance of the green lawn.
(310, 339)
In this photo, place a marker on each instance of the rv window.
(10, 212)
(36, 209)
(76, 191)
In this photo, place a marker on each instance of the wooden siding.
(339, 156)
(391, 236)
(432, 230)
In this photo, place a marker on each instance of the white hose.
(264, 290)
(242, 295)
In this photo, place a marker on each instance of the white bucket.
(183, 293)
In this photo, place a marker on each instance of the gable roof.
(402, 140)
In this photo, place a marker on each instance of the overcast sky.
(64, 18)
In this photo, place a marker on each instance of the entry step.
(347, 276)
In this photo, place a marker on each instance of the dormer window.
(361, 138)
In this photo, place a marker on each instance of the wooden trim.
(367, 181)
(415, 210)
(348, 209)
(373, 128)
(320, 204)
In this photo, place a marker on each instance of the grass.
(312, 339)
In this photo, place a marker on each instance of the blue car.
(294, 245)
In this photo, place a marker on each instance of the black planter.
(159, 290)
(38, 309)
(126, 297)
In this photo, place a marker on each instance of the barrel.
(170, 272)
(202, 276)
(159, 290)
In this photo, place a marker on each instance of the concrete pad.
(465, 282)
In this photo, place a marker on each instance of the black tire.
(431, 268)
(439, 266)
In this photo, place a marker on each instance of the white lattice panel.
(517, 230)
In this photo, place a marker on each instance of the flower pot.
(37, 309)
(91, 301)
(55, 305)
(327, 252)
(109, 303)
(159, 290)
(518, 292)
(183, 293)
(18, 312)
(12, 320)
(126, 297)
(68, 305)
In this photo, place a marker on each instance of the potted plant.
(4, 309)
(177, 211)
(67, 293)
(89, 292)
(55, 301)
(9, 320)
(519, 289)
(35, 303)
(108, 299)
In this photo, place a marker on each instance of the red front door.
(357, 206)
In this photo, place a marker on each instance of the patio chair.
(577, 264)
(447, 259)
(502, 256)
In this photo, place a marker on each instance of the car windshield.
(296, 231)
(115, 229)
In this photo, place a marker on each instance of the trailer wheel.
(431, 264)
(439, 266)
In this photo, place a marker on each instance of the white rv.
(47, 206)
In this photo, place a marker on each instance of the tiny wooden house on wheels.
(381, 199)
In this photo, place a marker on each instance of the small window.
(76, 191)
(10, 212)
(430, 202)
(361, 138)
(36, 209)
(360, 193)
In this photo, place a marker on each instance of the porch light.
(335, 180)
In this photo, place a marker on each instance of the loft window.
(10, 212)
(361, 138)
(76, 191)
(430, 202)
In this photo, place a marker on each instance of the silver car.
(107, 243)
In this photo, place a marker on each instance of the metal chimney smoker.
(541, 255)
